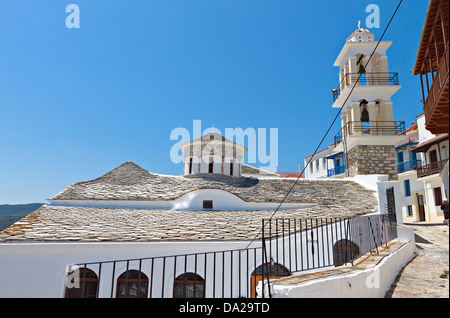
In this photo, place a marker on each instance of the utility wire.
(331, 125)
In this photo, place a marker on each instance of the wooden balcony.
(433, 66)
(432, 168)
(435, 106)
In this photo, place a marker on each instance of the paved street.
(421, 276)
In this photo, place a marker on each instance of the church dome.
(361, 35)
(213, 155)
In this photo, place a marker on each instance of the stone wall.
(373, 159)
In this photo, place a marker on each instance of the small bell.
(362, 70)
(365, 116)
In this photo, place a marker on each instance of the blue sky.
(77, 103)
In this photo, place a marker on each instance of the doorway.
(421, 206)
(390, 197)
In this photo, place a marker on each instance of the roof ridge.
(126, 173)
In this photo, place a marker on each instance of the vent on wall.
(207, 204)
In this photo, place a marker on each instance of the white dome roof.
(361, 35)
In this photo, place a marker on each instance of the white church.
(210, 232)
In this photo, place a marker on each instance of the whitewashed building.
(422, 158)
(133, 233)
(320, 166)
(433, 153)
(407, 164)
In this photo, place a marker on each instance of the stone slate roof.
(334, 198)
(131, 182)
(252, 171)
(74, 224)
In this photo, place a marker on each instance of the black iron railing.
(287, 246)
(366, 79)
(378, 128)
(305, 244)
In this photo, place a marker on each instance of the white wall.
(372, 282)
(318, 172)
(40, 269)
(434, 212)
(415, 186)
(222, 200)
(398, 194)
(424, 134)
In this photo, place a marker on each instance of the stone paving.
(420, 278)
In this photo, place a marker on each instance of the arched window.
(274, 270)
(344, 251)
(83, 284)
(132, 284)
(189, 285)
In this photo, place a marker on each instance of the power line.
(332, 123)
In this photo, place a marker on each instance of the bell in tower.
(364, 114)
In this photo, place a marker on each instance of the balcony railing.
(432, 168)
(335, 171)
(288, 245)
(408, 165)
(366, 79)
(378, 128)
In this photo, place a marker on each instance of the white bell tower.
(364, 92)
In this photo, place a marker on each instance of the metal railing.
(366, 79)
(305, 244)
(288, 245)
(378, 128)
(335, 171)
(408, 165)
